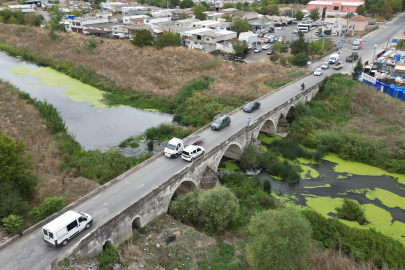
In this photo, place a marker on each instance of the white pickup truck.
(176, 146)
(338, 65)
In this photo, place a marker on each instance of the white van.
(60, 230)
(334, 58)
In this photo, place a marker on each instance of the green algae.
(99, 111)
(263, 148)
(352, 167)
(386, 197)
(312, 172)
(378, 218)
(306, 161)
(230, 165)
(77, 91)
(264, 138)
(327, 185)
(287, 200)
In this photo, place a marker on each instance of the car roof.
(190, 148)
(224, 116)
(62, 221)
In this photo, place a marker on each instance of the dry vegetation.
(147, 70)
(378, 115)
(22, 121)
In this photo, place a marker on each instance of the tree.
(227, 17)
(301, 59)
(358, 67)
(240, 24)
(228, 5)
(274, 57)
(314, 14)
(149, 14)
(374, 9)
(299, 45)
(288, 12)
(76, 12)
(142, 38)
(315, 48)
(299, 14)
(33, 20)
(174, 3)
(249, 158)
(323, 13)
(16, 165)
(278, 47)
(361, 10)
(206, 5)
(48, 207)
(55, 20)
(13, 223)
(198, 12)
(183, 15)
(12, 20)
(11, 203)
(168, 39)
(386, 10)
(279, 239)
(239, 5)
(186, 4)
(327, 44)
(273, 10)
(396, 5)
(239, 46)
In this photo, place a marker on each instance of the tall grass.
(164, 132)
(352, 210)
(366, 245)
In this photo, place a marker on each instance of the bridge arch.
(233, 151)
(137, 223)
(268, 126)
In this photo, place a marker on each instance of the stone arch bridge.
(156, 202)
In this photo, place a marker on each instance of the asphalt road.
(31, 252)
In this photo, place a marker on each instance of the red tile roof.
(359, 18)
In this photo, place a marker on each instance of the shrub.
(165, 132)
(91, 45)
(48, 207)
(274, 57)
(301, 59)
(279, 239)
(267, 186)
(285, 170)
(134, 144)
(13, 224)
(11, 202)
(362, 244)
(352, 210)
(123, 144)
(16, 165)
(108, 258)
(249, 158)
(290, 59)
(290, 149)
(283, 61)
(150, 145)
(214, 209)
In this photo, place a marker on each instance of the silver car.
(325, 65)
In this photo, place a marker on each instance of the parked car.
(265, 47)
(272, 40)
(175, 146)
(251, 106)
(257, 50)
(325, 65)
(261, 35)
(280, 28)
(221, 122)
(271, 52)
(321, 35)
(266, 41)
(240, 61)
(296, 31)
(318, 72)
(192, 152)
(259, 42)
(281, 39)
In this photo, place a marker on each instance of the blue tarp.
(399, 93)
(391, 91)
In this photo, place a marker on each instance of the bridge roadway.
(30, 252)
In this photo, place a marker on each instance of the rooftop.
(100, 25)
(359, 18)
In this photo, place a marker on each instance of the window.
(72, 225)
(199, 38)
(45, 232)
(207, 39)
(51, 235)
(81, 219)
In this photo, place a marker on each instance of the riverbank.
(200, 82)
(60, 167)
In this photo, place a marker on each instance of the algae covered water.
(323, 187)
(94, 124)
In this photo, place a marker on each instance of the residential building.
(206, 39)
(76, 24)
(186, 22)
(249, 37)
(98, 29)
(119, 31)
(335, 5)
(131, 29)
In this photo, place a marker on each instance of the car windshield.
(186, 153)
(218, 121)
(318, 70)
(325, 63)
(171, 146)
(250, 105)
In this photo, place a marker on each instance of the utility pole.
(375, 47)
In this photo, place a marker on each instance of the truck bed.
(194, 139)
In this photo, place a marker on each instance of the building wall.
(359, 25)
(332, 7)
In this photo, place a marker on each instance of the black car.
(250, 107)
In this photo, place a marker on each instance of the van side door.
(73, 229)
(82, 223)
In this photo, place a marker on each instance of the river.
(94, 125)
(323, 187)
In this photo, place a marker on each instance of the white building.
(76, 25)
(206, 39)
(249, 37)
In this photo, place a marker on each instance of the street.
(30, 252)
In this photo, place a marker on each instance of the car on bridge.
(251, 106)
(325, 65)
(221, 122)
(192, 152)
(318, 72)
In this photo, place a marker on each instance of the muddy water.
(95, 125)
(324, 186)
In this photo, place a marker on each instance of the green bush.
(150, 145)
(11, 203)
(301, 59)
(352, 210)
(214, 209)
(16, 166)
(267, 186)
(108, 258)
(165, 132)
(134, 144)
(48, 207)
(290, 149)
(13, 224)
(362, 244)
(279, 239)
(283, 61)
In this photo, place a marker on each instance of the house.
(76, 24)
(249, 37)
(98, 29)
(119, 31)
(360, 22)
(186, 22)
(206, 39)
(156, 20)
(131, 29)
(335, 5)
